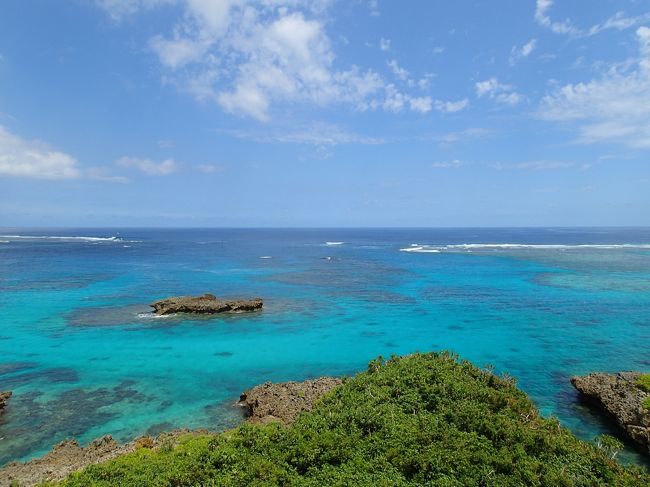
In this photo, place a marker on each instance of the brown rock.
(620, 397)
(205, 304)
(4, 399)
(285, 401)
(68, 457)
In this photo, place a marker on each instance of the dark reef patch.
(105, 315)
(223, 354)
(53, 376)
(34, 423)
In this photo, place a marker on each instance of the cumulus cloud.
(34, 159)
(612, 108)
(249, 56)
(502, 93)
(147, 166)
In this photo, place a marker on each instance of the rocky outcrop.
(619, 396)
(4, 399)
(68, 457)
(264, 403)
(284, 401)
(206, 304)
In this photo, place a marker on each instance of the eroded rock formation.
(284, 401)
(205, 304)
(4, 399)
(620, 397)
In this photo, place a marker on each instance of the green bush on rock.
(425, 419)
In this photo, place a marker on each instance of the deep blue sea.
(84, 357)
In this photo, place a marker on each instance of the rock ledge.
(4, 399)
(284, 401)
(620, 397)
(205, 304)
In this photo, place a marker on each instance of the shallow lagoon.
(85, 358)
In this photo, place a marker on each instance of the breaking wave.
(417, 248)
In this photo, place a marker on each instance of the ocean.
(84, 356)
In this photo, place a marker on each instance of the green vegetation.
(646, 403)
(427, 419)
(643, 382)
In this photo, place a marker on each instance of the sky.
(288, 113)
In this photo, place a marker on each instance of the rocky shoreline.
(267, 402)
(619, 396)
(205, 304)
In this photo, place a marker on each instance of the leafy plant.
(643, 382)
(422, 420)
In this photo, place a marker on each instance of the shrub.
(426, 419)
(643, 382)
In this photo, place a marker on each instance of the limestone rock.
(284, 401)
(620, 397)
(205, 304)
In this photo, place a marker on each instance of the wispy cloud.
(451, 106)
(518, 53)
(533, 165)
(447, 164)
(614, 108)
(619, 21)
(502, 93)
(147, 166)
(319, 134)
(384, 44)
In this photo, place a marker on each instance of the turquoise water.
(85, 358)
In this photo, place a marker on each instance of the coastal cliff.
(205, 304)
(622, 396)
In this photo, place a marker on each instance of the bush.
(426, 419)
(643, 382)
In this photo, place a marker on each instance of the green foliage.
(609, 445)
(422, 420)
(643, 382)
(646, 403)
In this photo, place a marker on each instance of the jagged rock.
(620, 397)
(68, 457)
(206, 304)
(285, 401)
(4, 398)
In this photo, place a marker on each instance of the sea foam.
(417, 248)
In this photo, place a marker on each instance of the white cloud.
(117, 10)
(451, 106)
(438, 50)
(384, 44)
(447, 164)
(613, 108)
(518, 53)
(147, 166)
(317, 134)
(249, 56)
(421, 104)
(502, 93)
(534, 165)
(399, 72)
(543, 18)
(209, 168)
(34, 159)
(619, 21)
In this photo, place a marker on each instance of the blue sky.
(324, 113)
